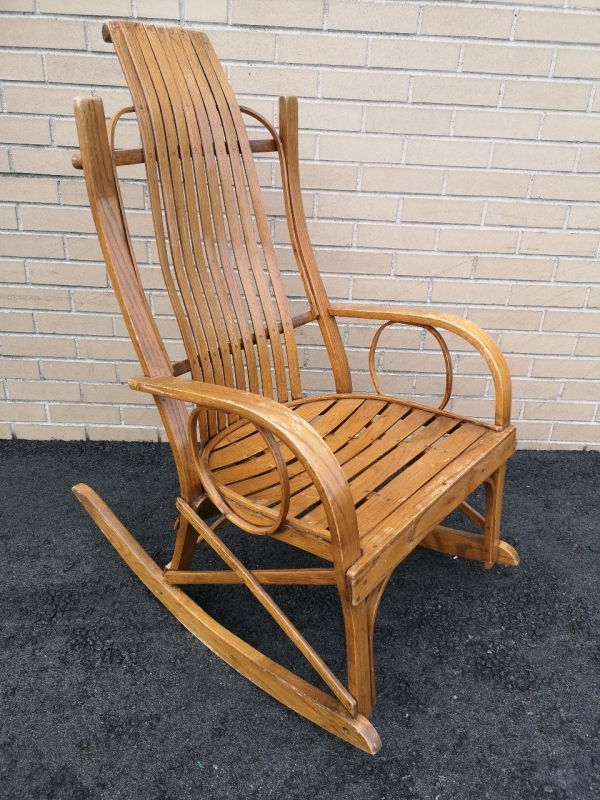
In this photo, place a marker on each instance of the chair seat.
(400, 459)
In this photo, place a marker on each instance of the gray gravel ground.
(488, 682)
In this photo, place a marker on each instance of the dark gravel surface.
(488, 682)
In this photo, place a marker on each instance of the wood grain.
(357, 479)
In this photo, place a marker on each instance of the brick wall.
(450, 158)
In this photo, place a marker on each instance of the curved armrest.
(293, 431)
(467, 330)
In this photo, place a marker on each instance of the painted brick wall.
(450, 158)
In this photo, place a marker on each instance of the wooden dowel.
(263, 145)
(121, 158)
(313, 577)
(124, 158)
(297, 322)
(182, 367)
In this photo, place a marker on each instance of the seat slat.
(310, 411)
(354, 459)
(378, 428)
(335, 440)
(251, 442)
(373, 438)
(245, 429)
(374, 451)
(373, 512)
(330, 420)
(263, 462)
(381, 469)
(385, 546)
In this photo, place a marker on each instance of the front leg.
(494, 487)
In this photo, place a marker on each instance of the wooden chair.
(356, 479)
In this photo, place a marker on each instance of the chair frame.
(360, 568)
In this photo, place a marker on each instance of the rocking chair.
(357, 479)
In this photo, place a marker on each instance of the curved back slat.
(211, 228)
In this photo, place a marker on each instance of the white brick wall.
(450, 157)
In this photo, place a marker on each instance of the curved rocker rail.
(280, 683)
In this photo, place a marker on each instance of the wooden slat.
(389, 417)
(382, 460)
(208, 258)
(297, 321)
(166, 119)
(209, 331)
(259, 481)
(384, 547)
(195, 140)
(307, 410)
(391, 450)
(253, 442)
(201, 284)
(287, 363)
(345, 455)
(218, 271)
(298, 477)
(254, 445)
(232, 203)
(331, 419)
(122, 44)
(268, 577)
(249, 265)
(374, 511)
(210, 164)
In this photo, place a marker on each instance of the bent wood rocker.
(357, 479)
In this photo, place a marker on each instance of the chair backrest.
(212, 232)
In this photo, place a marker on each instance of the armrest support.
(464, 328)
(293, 431)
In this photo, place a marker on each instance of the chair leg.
(359, 653)
(494, 487)
(185, 546)
(187, 541)
(373, 601)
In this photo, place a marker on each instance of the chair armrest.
(464, 328)
(293, 431)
